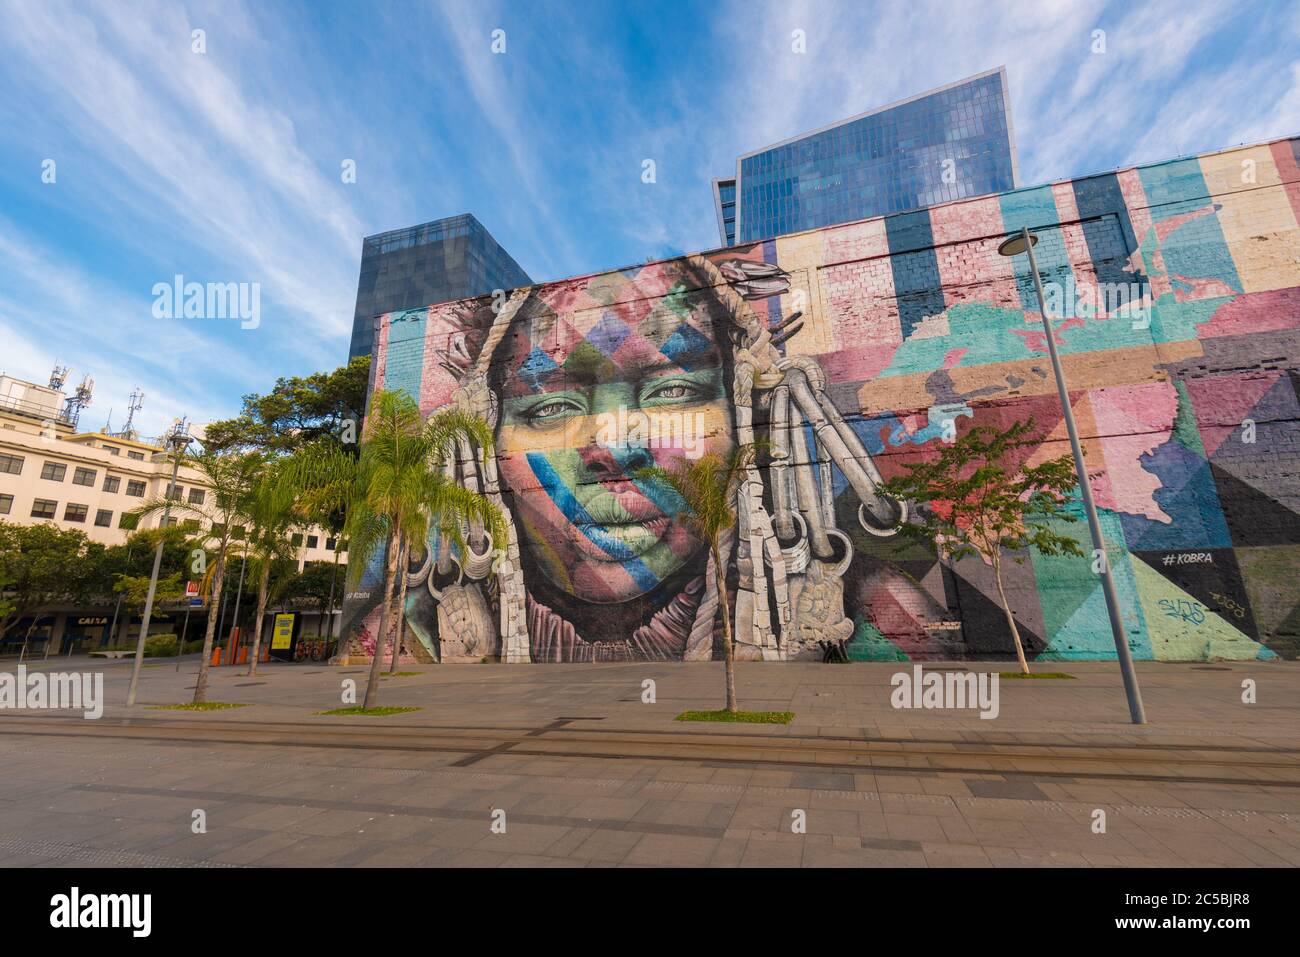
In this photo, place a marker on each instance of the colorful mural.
(851, 350)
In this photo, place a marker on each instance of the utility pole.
(112, 629)
(185, 630)
(239, 594)
(178, 440)
(1024, 242)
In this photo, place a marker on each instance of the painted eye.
(677, 390)
(551, 410)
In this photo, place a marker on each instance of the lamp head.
(1016, 245)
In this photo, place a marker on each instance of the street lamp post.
(177, 440)
(239, 595)
(1024, 242)
(185, 630)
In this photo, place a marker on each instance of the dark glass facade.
(947, 144)
(451, 258)
(724, 201)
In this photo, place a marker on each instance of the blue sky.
(225, 166)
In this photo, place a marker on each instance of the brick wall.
(1187, 405)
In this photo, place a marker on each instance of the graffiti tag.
(1189, 558)
(1229, 604)
(1183, 609)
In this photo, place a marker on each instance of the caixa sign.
(92, 620)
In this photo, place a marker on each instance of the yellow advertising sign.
(282, 637)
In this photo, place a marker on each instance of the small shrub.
(1035, 674)
(164, 646)
(200, 706)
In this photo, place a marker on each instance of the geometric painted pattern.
(1174, 290)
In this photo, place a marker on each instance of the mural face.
(571, 375)
(851, 351)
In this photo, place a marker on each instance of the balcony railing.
(36, 410)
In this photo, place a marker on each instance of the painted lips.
(621, 506)
(620, 526)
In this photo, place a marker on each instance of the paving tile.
(772, 854)
(1013, 790)
(822, 780)
(672, 850)
(523, 839)
(607, 846)
(729, 852)
(880, 789)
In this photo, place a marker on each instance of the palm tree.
(401, 481)
(229, 479)
(334, 524)
(399, 632)
(272, 518)
(319, 507)
(708, 487)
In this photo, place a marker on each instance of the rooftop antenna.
(78, 400)
(108, 424)
(58, 377)
(135, 402)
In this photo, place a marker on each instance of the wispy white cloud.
(54, 311)
(225, 166)
(1074, 110)
(204, 167)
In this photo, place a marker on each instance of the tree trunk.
(262, 589)
(27, 637)
(337, 657)
(1011, 619)
(376, 662)
(124, 629)
(399, 625)
(720, 573)
(329, 608)
(210, 631)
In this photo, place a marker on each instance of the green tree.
(314, 586)
(708, 487)
(229, 477)
(273, 517)
(324, 406)
(134, 558)
(41, 566)
(394, 491)
(978, 496)
(322, 410)
(324, 512)
(134, 590)
(135, 555)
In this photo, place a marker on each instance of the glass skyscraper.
(945, 144)
(724, 201)
(446, 259)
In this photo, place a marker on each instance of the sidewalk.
(587, 774)
(1185, 703)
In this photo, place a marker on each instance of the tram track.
(1164, 763)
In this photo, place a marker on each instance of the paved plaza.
(587, 773)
